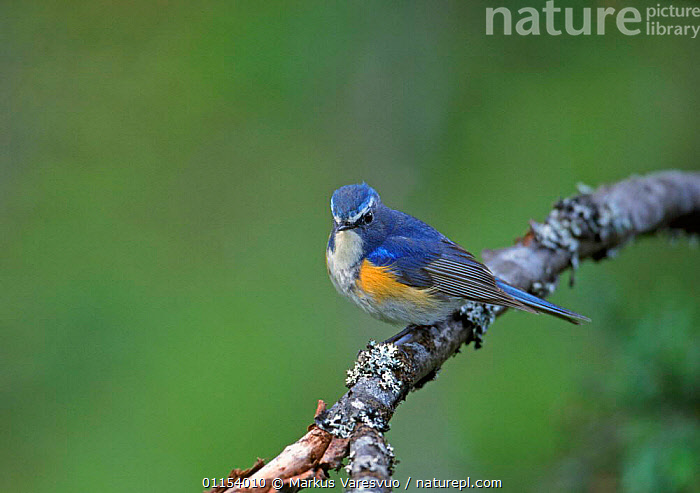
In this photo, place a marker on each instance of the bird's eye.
(368, 218)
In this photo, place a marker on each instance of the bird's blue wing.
(422, 257)
(438, 263)
(406, 258)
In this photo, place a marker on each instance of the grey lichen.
(577, 218)
(560, 230)
(341, 427)
(543, 288)
(613, 222)
(378, 368)
(337, 426)
(478, 313)
(372, 419)
(481, 316)
(378, 360)
(375, 462)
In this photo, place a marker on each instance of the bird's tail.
(540, 305)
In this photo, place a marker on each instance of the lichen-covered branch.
(370, 463)
(593, 224)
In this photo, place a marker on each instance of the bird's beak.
(345, 226)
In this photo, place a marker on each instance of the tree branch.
(371, 462)
(594, 224)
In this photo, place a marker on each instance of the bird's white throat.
(344, 260)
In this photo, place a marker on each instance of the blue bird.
(401, 270)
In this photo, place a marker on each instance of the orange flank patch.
(381, 284)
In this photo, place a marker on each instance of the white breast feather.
(344, 261)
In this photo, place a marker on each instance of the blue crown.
(351, 200)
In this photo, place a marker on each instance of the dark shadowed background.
(165, 172)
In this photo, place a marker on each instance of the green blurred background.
(165, 176)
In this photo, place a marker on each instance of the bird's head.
(354, 206)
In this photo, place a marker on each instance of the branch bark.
(371, 462)
(593, 224)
